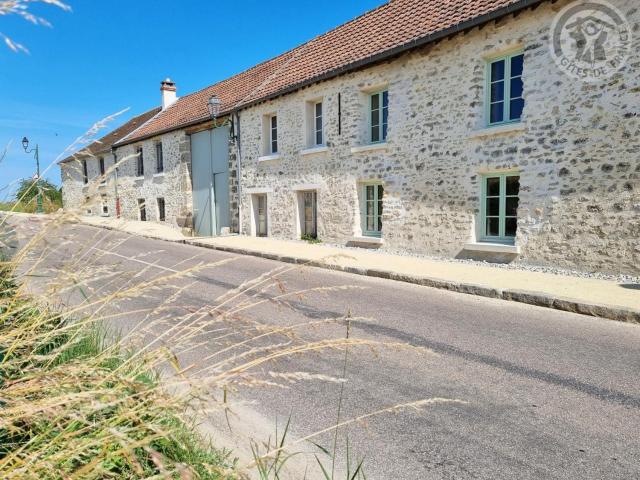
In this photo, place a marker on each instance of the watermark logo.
(590, 40)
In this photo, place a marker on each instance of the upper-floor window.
(140, 163)
(159, 158)
(505, 88)
(85, 172)
(273, 134)
(500, 199)
(102, 169)
(378, 116)
(318, 131)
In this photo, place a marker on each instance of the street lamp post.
(25, 145)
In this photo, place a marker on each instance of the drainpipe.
(239, 162)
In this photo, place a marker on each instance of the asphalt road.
(549, 395)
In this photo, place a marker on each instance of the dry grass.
(79, 401)
(22, 9)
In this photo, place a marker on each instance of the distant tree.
(27, 191)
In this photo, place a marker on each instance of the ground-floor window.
(500, 198)
(260, 212)
(105, 206)
(309, 222)
(142, 208)
(372, 209)
(161, 211)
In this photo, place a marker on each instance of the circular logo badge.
(590, 40)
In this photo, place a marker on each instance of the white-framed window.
(499, 209)
(260, 226)
(505, 89)
(371, 209)
(378, 116)
(273, 134)
(318, 126)
(269, 135)
(159, 158)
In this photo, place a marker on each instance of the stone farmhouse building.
(431, 127)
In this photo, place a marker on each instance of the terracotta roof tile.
(393, 25)
(104, 144)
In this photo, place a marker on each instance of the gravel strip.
(627, 279)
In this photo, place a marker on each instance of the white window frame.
(502, 213)
(377, 214)
(273, 134)
(381, 137)
(315, 128)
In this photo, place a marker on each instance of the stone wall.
(577, 152)
(87, 199)
(174, 184)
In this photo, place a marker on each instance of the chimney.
(168, 89)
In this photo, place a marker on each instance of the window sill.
(367, 240)
(138, 178)
(156, 175)
(492, 247)
(369, 148)
(313, 150)
(269, 158)
(516, 127)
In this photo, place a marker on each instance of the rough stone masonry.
(576, 150)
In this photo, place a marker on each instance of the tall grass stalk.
(83, 400)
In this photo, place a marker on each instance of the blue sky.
(108, 55)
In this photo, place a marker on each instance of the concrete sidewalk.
(602, 298)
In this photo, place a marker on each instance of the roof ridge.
(160, 110)
(87, 151)
(378, 34)
(290, 51)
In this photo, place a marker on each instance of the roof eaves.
(125, 141)
(357, 65)
(395, 51)
(83, 153)
(121, 142)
